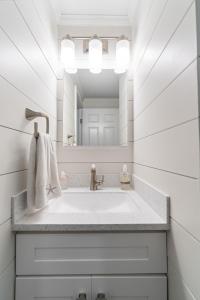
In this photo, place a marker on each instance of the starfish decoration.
(50, 189)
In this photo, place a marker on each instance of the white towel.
(43, 181)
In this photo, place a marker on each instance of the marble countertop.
(105, 210)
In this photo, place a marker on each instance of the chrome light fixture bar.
(77, 37)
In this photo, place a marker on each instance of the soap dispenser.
(125, 178)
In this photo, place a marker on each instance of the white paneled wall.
(166, 129)
(28, 66)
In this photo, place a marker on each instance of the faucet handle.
(100, 179)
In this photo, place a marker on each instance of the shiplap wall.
(28, 66)
(166, 129)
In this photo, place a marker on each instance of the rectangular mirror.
(95, 109)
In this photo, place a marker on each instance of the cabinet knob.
(101, 296)
(82, 296)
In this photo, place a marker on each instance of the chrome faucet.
(94, 182)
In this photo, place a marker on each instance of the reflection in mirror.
(95, 109)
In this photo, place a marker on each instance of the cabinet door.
(53, 288)
(129, 288)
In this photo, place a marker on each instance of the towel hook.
(31, 115)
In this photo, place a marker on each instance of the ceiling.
(94, 7)
(103, 85)
(98, 12)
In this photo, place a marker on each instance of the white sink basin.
(92, 202)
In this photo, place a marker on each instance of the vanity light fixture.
(68, 55)
(95, 47)
(122, 55)
(95, 55)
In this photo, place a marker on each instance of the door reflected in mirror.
(95, 109)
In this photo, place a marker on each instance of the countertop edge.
(88, 227)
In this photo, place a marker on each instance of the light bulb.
(68, 55)
(95, 55)
(122, 55)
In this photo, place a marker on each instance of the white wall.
(166, 129)
(28, 63)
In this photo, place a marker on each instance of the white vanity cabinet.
(63, 266)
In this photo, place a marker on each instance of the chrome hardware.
(31, 115)
(82, 296)
(101, 296)
(95, 179)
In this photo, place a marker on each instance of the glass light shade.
(122, 56)
(95, 55)
(68, 55)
